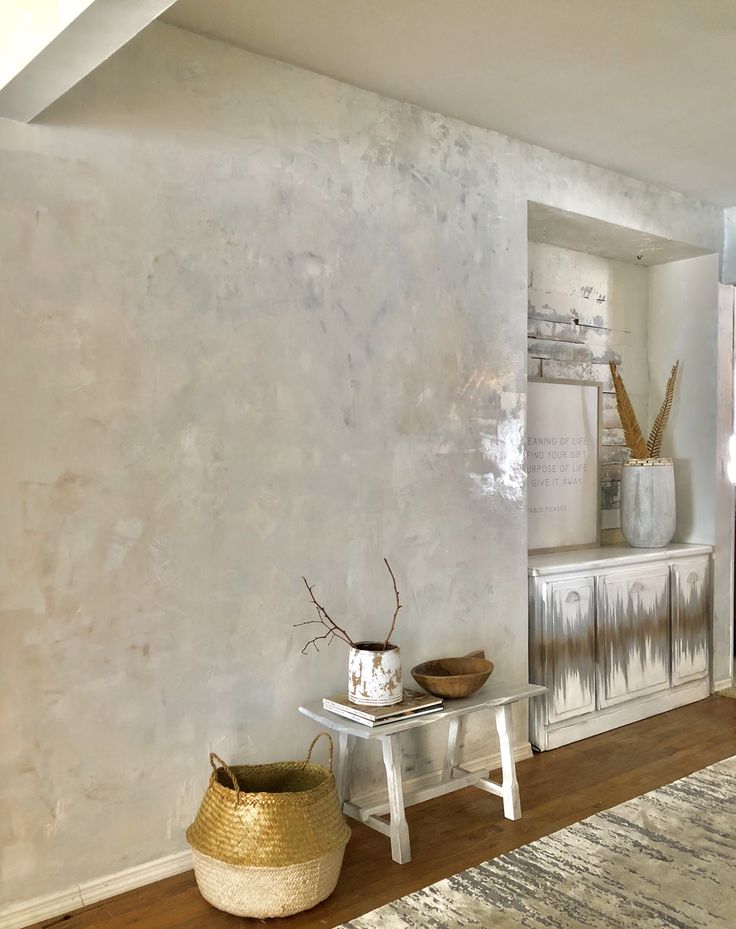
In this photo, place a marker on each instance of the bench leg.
(392, 759)
(344, 765)
(510, 786)
(453, 747)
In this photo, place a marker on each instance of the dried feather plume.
(654, 445)
(632, 432)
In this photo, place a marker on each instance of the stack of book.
(415, 703)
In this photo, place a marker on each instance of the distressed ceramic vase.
(374, 674)
(648, 511)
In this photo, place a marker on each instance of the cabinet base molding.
(582, 728)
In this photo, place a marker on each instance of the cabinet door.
(689, 620)
(633, 633)
(569, 648)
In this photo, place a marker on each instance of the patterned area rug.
(666, 860)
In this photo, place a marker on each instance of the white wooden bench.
(497, 696)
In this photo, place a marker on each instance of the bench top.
(494, 694)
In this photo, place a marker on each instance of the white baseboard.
(20, 915)
(722, 685)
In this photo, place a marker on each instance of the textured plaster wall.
(728, 255)
(585, 311)
(256, 324)
(723, 580)
(684, 314)
(694, 321)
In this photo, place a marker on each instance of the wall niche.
(597, 293)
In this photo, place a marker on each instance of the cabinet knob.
(572, 597)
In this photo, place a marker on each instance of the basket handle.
(314, 742)
(216, 762)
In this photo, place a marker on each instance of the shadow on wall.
(685, 508)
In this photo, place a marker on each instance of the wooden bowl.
(453, 677)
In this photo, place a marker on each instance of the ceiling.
(644, 88)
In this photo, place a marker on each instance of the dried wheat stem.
(632, 431)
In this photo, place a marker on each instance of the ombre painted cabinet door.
(633, 633)
(689, 622)
(569, 648)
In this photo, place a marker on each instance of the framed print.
(562, 464)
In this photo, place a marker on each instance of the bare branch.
(398, 606)
(333, 630)
(317, 622)
(329, 635)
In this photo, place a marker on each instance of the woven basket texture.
(266, 892)
(281, 814)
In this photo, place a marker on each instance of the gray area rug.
(666, 860)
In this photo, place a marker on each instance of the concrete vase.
(648, 512)
(374, 674)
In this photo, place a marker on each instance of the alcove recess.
(599, 291)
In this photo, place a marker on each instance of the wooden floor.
(462, 829)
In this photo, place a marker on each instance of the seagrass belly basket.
(268, 839)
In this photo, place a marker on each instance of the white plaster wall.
(723, 571)
(256, 324)
(694, 322)
(683, 299)
(728, 255)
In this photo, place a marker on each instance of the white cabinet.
(616, 634)
(571, 669)
(633, 633)
(689, 633)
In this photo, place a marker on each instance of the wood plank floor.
(462, 829)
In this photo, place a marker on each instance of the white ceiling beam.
(97, 33)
